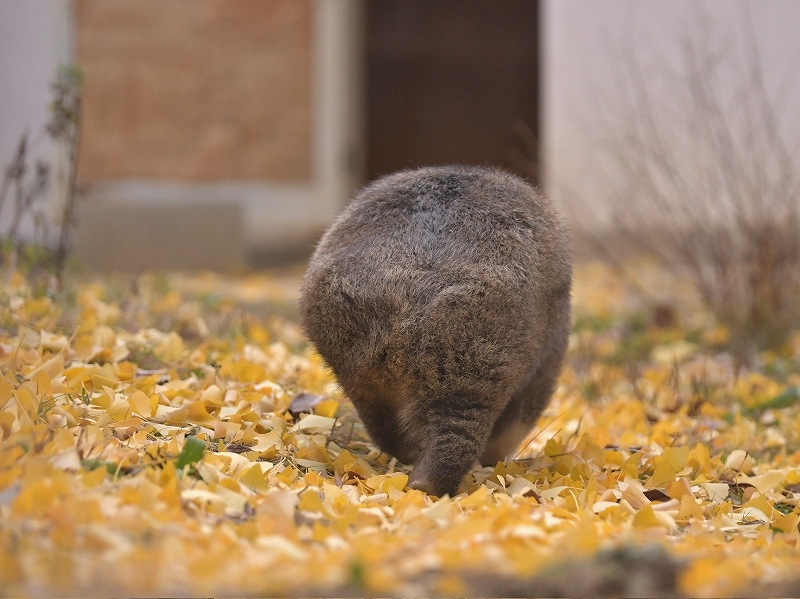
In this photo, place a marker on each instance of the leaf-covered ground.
(156, 440)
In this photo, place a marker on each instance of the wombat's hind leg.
(505, 444)
(385, 430)
(452, 439)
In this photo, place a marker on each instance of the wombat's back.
(437, 284)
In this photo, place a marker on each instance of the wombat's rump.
(440, 297)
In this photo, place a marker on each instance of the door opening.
(452, 81)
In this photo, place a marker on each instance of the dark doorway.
(452, 81)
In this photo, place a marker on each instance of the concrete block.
(133, 237)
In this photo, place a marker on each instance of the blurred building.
(219, 133)
(215, 132)
(223, 132)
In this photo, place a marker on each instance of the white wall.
(580, 38)
(34, 41)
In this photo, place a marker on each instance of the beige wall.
(196, 90)
(215, 132)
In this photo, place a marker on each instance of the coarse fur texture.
(440, 297)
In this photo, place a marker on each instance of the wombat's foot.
(417, 481)
(439, 475)
(425, 486)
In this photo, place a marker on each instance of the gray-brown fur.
(440, 297)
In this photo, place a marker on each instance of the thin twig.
(69, 204)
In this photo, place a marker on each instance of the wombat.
(440, 297)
